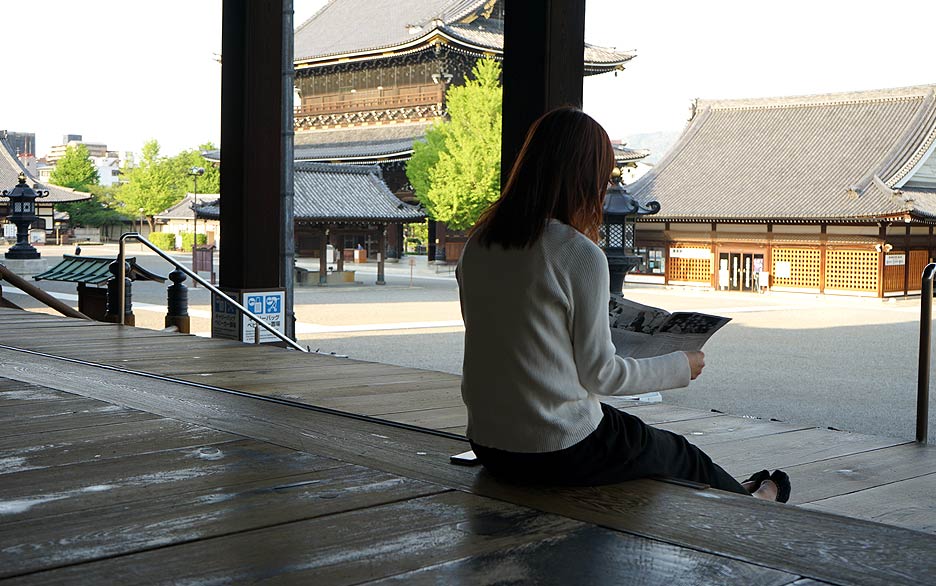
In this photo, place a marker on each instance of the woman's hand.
(696, 363)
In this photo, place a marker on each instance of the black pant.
(622, 448)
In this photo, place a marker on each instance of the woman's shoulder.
(559, 236)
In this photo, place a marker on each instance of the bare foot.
(767, 491)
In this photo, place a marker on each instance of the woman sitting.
(534, 290)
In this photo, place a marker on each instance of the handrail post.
(923, 373)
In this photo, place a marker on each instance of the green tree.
(183, 163)
(456, 171)
(75, 169)
(99, 210)
(158, 183)
(151, 186)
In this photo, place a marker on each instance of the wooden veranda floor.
(125, 457)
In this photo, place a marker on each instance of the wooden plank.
(432, 418)
(857, 472)
(909, 503)
(789, 449)
(312, 374)
(657, 413)
(377, 383)
(103, 442)
(22, 394)
(38, 417)
(61, 489)
(594, 556)
(348, 547)
(336, 390)
(27, 546)
(707, 520)
(402, 402)
(722, 428)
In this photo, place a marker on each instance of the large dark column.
(256, 144)
(544, 62)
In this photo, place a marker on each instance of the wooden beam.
(256, 138)
(544, 52)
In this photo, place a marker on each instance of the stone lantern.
(619, 228)
(23, 214)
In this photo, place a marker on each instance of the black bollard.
(177, 303)
(113, 296)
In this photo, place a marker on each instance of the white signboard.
(270, 307)
(702, 253)
(894, 260)
(9, 231)
(783, 269)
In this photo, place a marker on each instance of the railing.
(121, 286)
(38, 294)
(923, 373)
(371, 100)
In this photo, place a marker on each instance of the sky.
(121, 72)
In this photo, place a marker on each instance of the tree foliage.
(75, 169)
(158, 183)
(99, 210)
(456, 172)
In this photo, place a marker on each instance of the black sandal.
(782, 480)
(757, 478)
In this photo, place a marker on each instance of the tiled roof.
(822, 157)
(366, 144)
(361, 26)
(183, 210)
(10, 168)
(347, 193)
(367, 151)
(93, 270)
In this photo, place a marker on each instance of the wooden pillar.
(440, 242)
(381, 253)
(394, 237)
(544, 45)
(823, 245)
(323, 257)
(768, 257)
(882, 233)
(907, 262)
(431, 244)
(340, 248)
(666, 248)
(256, 139)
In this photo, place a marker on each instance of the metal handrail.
(121, 286)
(923, 372)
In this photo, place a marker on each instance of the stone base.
(26, 267)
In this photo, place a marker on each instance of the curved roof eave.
(433, 37)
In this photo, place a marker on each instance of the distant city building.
(108, 168)
(21, 143)
(832, 193)
(58, 151)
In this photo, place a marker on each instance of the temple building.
(10, 168)
(367, 88)
(832, 193)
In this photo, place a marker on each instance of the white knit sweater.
(538, 351)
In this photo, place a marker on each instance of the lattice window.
(615, 236)
(852, 270)
(803, 265)
(692, 270)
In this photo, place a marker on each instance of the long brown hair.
(561, 172)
